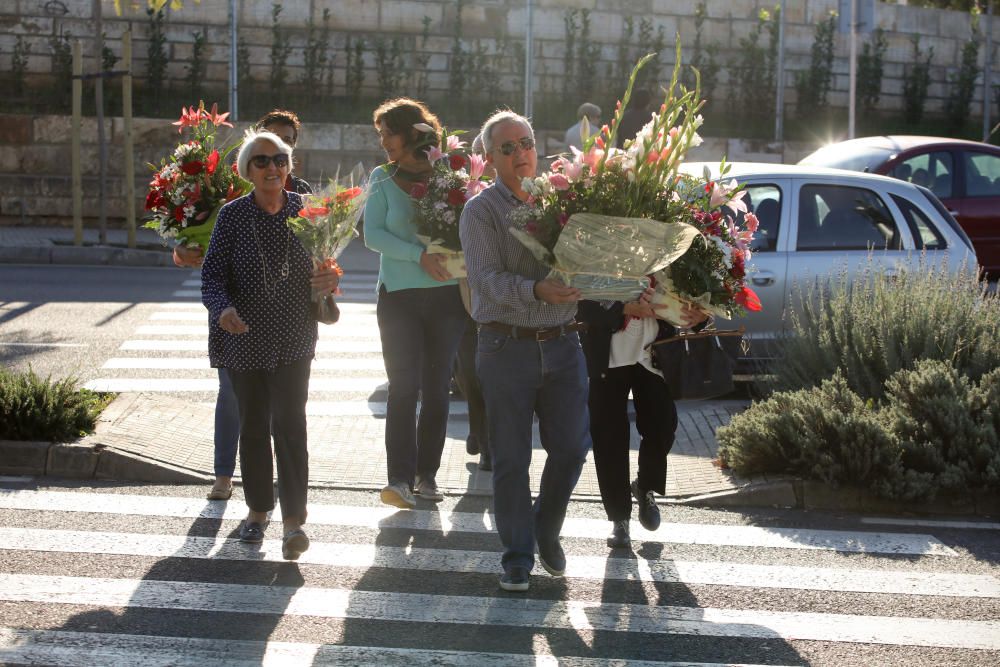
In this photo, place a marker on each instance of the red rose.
(456, 197)
(456, 161)
(193, 167)
(418, 190)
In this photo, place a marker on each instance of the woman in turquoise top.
(420, 313)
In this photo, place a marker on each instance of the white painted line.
(932, 523)
(322, 345)
(345, 307)
(84, 649)
(578, 616)
(202, 363)
(7, 344)
(352, 329)
(485, 562)
(366, 286)
(212, 384)
(444, 521)
(361, 408)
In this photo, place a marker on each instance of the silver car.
(817, 222)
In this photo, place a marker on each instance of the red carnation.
(418, 190)
(456, 161)
(456, 197)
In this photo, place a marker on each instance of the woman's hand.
(187, 257)
(231, 322)
(325, 279)
(692, 316)
(642, 307)
(433, 264)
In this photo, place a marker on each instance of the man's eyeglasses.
(261, 161)
(524, 143)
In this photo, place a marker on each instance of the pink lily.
(752, 222)
(572, 170)
(741, 239)
(591, 158)
(454, 143)
(736, 203)
(434, 154)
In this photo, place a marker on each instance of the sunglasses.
(524, 143)
(261, 161)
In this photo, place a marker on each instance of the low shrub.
(33, 408)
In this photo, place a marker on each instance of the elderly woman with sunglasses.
(256, 282)
(419, 311)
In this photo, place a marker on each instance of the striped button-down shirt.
(502, 272)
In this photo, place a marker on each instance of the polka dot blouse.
(255, 263)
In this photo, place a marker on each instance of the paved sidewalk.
(349, 451)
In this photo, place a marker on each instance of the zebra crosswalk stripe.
(445, 521)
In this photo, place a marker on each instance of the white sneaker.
(398, 494)
(427, 489)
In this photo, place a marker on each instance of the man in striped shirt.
(529, 360)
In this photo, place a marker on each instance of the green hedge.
(33, 408)
(888, 384)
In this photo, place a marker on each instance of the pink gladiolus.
(652, 156)
(559, 181)
(752, 222)
(434, 154)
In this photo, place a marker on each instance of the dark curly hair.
(400, 115)
(280, 117)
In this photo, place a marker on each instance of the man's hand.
(554, 292)
(187, 257)
(231, 322)
(433, 264)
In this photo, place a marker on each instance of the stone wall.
(482, 23)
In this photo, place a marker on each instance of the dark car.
(965, 176)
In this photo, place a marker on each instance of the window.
(764, 201)
(925, 235)
(982, 174)
(836, 217)
(931, 170)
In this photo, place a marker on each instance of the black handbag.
(325, 309)
(698, 365)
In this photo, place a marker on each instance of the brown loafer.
(220, 492)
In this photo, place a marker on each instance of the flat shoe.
(293, 544)
(220, 493)
(252, 532)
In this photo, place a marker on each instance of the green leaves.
(33, 408)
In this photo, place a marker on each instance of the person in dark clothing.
(635, 117)
(616, 346)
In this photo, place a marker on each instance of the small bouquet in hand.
(191, 185)
(711, 275)
(457, 176)
(325, 226)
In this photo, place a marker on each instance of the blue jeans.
(521, 378)
(420, 330)
(227, 427)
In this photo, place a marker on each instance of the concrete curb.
(84, 255)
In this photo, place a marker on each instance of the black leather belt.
(543, 334)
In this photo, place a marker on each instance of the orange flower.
(347, 195)
(314, 211)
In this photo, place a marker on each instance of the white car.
(817, 222)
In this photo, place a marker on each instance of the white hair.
(502, 116)
(250, 140)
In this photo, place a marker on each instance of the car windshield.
(854, 158)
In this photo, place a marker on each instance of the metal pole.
(528, 58)
(987, 87)
(127, 141)
(75, 147)
(102, 147)
(779, 78)
(234, 97)
(853, 71)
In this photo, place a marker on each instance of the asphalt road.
(151, 575)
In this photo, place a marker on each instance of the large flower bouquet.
(607, 218)
(456, 177)
(194, 181)
(325, 226)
